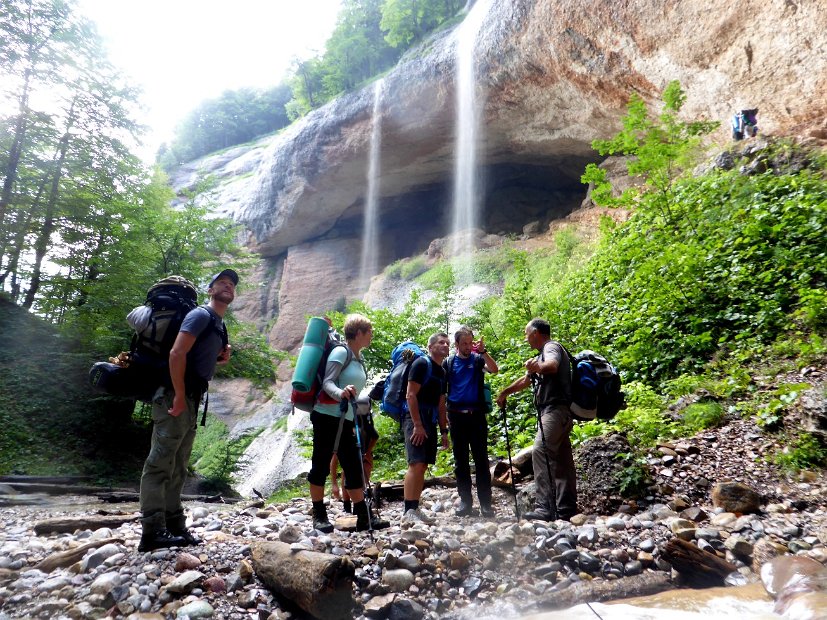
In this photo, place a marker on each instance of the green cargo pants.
(165, 469)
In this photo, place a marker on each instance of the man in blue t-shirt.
(425, 398)
(466, 418)
(199, 346)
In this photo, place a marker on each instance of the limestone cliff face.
(553, 75)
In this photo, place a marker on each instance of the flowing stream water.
(469, 103)
(370, 233)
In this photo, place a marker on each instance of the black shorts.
(426, 452)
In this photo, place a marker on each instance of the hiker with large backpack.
(467, 410)
(198, 347)
(424, 417)
(333, 427)
(549, 374)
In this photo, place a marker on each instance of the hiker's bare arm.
(443, 420)
(518, 385)
(177, 370)
(490, 364)
(419, 435)
(547, 367)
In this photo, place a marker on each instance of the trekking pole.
(510, 464)
(553, 499)
(369, 506)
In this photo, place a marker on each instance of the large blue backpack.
(394, 395)
(595, 387)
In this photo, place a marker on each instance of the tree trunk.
(319, 583)
(24, 218)
(14, 153)
(43, 239)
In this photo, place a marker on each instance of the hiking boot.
(487, 512)
(414, 516)
(160, 539)
(538, 514)
(189, 537)
(320, 520)
(464, 509)
(362, 523)
(347, 506)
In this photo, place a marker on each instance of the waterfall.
(468, 112)
(370, 234)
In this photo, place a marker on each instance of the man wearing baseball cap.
(200, 345)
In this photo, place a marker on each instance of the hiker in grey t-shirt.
(198, 348)
(550, 375)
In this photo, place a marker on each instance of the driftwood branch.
(64, 525)
(320, 583)
(70, 556)
(599, 591)
(696, 566)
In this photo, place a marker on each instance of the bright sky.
(184, 51)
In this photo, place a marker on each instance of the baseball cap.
(226, 272)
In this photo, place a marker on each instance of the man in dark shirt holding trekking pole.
(550, 376)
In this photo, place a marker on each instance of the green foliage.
(484, 267)
(583, 431)
(236, 117)
(408, 21)
(770, 413)
(660, 151)
(289, 490)
(642, 421)
(45, 403)
(215, 455)
(406, 269)
(252, 357)
(634, 477)
(700, 416)
(369, 38)
(804, 452)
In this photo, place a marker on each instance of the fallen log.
(47, 479)
(64, 525)
(121, 497)
(320, 583)
(54, 488)
(697, 567)
(66, 558)
(601, 591)
(522, 461)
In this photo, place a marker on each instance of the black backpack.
(595, 387)
(140, 372)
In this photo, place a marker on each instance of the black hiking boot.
(189, 538)
(465, 508)
(487, 511)
(320, 521)
(538, 514)
(362, 523)
(160, 539)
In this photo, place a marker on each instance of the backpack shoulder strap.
(217, 324)
(448, 365)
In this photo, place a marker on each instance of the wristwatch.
(443, 431)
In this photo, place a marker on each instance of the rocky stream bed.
(717, 492)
